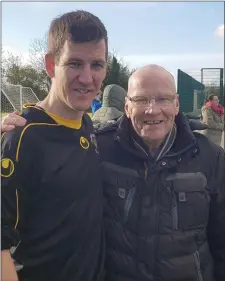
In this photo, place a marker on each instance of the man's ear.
(50, 65)
(126, 107)
(177, 104)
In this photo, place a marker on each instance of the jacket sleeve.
(10, 190)
(207, 118)
(216, 225)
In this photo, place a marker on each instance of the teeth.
(82, 91)
(153, 122)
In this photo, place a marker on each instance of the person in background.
(97, 103)
(213, 116)
(113, 102)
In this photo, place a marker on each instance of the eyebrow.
(100, 60)
(80, 60)
(159, 95)
(139, 97)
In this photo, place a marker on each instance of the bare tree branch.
(37, 50)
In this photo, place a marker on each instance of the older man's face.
(152, 105)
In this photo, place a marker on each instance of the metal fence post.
(21, 99)
(221, 87)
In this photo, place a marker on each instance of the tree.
(17, 73)
(37, 50)
(212, 89)
(3, 64)
(11, 65)
(117, 72)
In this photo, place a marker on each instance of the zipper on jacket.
(174, 210)
(140, 147)
(128, 202)
(146, 170)
(198, 266)
(155, 271)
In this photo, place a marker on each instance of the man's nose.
(85, 76)
(152, 107)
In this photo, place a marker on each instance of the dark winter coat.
(164, 219)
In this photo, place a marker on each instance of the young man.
(51, 184)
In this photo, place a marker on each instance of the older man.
(165, 204)
(164, 189)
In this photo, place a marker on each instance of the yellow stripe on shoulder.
(32, 105)
(24, 130)
(17, 210)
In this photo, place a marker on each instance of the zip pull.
(129, 201)
(182, 197)
(122, 193)
(174, 210)
(198, 266)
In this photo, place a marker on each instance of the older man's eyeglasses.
(145, 101)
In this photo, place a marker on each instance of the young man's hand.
(8, 268)
(11, 121)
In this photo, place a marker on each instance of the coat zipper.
(129, 202)
(198, 265)
(157, 231)
(146, 170)
(174, 210)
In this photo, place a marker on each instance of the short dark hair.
(210, 97)
(79, 27)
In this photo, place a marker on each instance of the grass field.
(3, 114)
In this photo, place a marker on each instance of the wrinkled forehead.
(92, 50)
(151, 85)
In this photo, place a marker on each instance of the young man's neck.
(57, 107)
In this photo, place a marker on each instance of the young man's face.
(79, 73)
